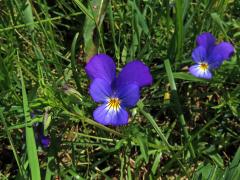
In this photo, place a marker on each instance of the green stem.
(178, 106)
(73, 63)
(179, 28)
(47, 20)
(48, 175)
(155, 126)
(30, 137)
(22, 125)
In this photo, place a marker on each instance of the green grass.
(183, 127)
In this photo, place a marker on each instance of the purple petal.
(101, 66)
(100, 90)
(45, 141)
(222, 51)
(215, 60)
(206, 40)
(199, 54)
(129, 95)
(135, 72)
(197, 72)
(105, 116)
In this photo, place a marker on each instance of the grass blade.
(233, 172)
(73, 63)
(84, 9)
(179, 29)
(30, 138)
(178, 106)
(98, 9)
(28, 16)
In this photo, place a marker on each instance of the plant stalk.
(178, 106)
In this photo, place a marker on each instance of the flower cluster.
(115, 93)
(208, 55)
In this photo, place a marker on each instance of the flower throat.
(203, 66)
(114, 103)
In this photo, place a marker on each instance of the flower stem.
(178, 106)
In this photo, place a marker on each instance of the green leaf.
(188, 77)
(208, 172)
(142, 141)
(179, 29)
(74, 64)
(30, 137)
(233, 171)
(156, 163)
(83, 9)
(218, 20)
(97, 9)
(141, 20)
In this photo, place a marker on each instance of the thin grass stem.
(30, 137)
(179, 28)
(73, 63)
(178, 106)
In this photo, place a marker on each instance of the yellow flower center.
(203, 66)
(114, 104)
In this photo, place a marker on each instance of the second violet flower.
(208, 55)
(116, 93)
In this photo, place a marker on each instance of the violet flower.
(208, 55)
(115, 93)
(39, 136)
(45, 141)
